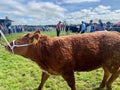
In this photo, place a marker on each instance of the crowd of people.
(81, 28)
(5, 29)
(91, 27)
(87, 27)
(15, 28)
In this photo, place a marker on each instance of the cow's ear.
(36, 36)
(27, 35)
(37, 32)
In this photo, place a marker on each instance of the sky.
(49, 12)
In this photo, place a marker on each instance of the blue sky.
(44, 12)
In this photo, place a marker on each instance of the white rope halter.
(12, 46)
(5, 38)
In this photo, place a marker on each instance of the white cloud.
(101, 12)
(36, 12)
(11, 4)
(46, 8)
(12, 7)
(79, 1)
(102, 9)
(117, 11)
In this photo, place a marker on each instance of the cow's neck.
(31, 53)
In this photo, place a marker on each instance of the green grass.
(18, 73)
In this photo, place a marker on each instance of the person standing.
(58, 28)
(83, 27)
(9, 30)
(100, 25)
(91, 26)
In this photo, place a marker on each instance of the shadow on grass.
(36, 89)
(99, 89)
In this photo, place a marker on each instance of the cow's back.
(81, 52)
(91, 51)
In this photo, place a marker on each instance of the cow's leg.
(69, 77)
(105, 77)
(43, 80)
(112, 78)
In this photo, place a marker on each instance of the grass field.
(18, 73)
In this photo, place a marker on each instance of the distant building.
(5, 24)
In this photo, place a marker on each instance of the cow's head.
(20, 45)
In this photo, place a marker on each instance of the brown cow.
(66, 54)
